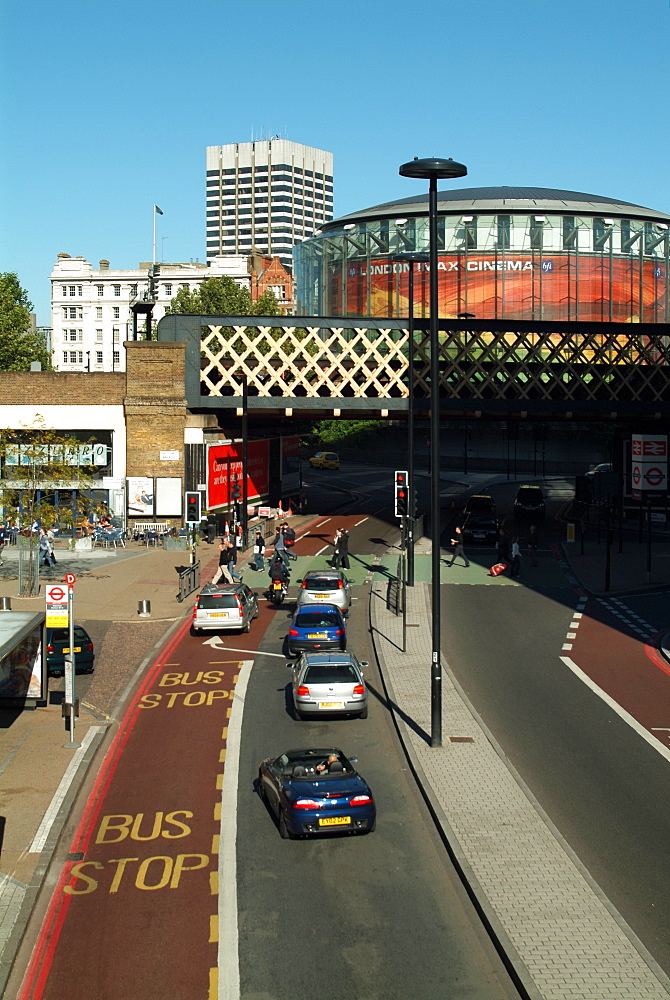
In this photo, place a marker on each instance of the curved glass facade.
(530, 266)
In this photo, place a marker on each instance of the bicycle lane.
(136, 899)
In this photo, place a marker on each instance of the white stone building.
(266, 196)
(91, 312)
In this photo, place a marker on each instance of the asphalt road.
(382, 915)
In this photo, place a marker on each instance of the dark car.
(480, 528)
(529, 502)
(316, 627)
(58, 646)
(316, 791)
(480, 503)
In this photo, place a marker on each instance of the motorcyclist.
(278, 571)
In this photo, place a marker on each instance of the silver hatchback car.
(219, 608)
(329, 682)
(327, 586)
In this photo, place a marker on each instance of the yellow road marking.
(215, 844)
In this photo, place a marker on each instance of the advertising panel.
(290, 465)
(140, 496)
(224, 461)
(546, 286)
(21, 667)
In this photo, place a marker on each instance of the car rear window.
(330, 673)
(530, 493)
(316, 619)
(63, 634)
(209, 601)
(320, 583)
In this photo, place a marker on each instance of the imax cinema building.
(503, 253)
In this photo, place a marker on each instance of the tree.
(36, 461)
(19, 345)
(222, 296)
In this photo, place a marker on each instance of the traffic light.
(237, 490)
(415, 503)
(401, 494)
(193, 506)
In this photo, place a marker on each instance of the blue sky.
(107, 108)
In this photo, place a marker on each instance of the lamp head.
(411, 257)
(430, 167)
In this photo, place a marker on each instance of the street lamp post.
(433, 168)
(410, 257)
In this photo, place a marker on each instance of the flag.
(157, 209)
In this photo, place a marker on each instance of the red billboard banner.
(224, 461)
(545, 286)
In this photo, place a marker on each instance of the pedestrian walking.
(337, 542)
(289, 540)
(239, 539)
(533, 543)
(47, 556)
(516, 557)
(280, 547)
(457, 542)
(232, 561)
(223, 570)
(344, 549)
(502, 546)
(259, 549)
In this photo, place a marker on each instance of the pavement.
(560, 935)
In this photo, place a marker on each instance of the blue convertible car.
(316, 791)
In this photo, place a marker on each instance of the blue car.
(315, 628)
(316, 791)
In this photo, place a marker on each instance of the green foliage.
(36, 460)
(222, 296)
(359, 434)
(19, 346)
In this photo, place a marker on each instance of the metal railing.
(189, 580)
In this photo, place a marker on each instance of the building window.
(64, 289)
(504, 225)
(98, 336)
(64, 357)
(569, 232)
(80, 356)
(133, 289)
(73, 289)
(168, 289)
(101, 290)
(73, 357)
(98, 312)
(98, 357)
(116, 357)
(536, 232)
(117, 290)
(602, 231)
(115, 335)
(80, 289)
(73, 335)
(116, 312)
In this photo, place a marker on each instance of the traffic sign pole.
(70, 672)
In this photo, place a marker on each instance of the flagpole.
(154, 261)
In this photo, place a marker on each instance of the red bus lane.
(134, 912)
(632, 672)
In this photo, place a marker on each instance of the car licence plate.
(322, 597)
(218, 614)
(331, 704)
(77, 649)
(335, 821)
(317, 635)
(479, 534)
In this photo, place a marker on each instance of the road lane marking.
(621, 712)
(50, 815)
(228, 976)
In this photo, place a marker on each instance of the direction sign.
(70, 579)
(56, 606)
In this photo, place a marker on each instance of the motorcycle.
(277, 591)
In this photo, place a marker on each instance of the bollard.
(5, 604)
(144, 609)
